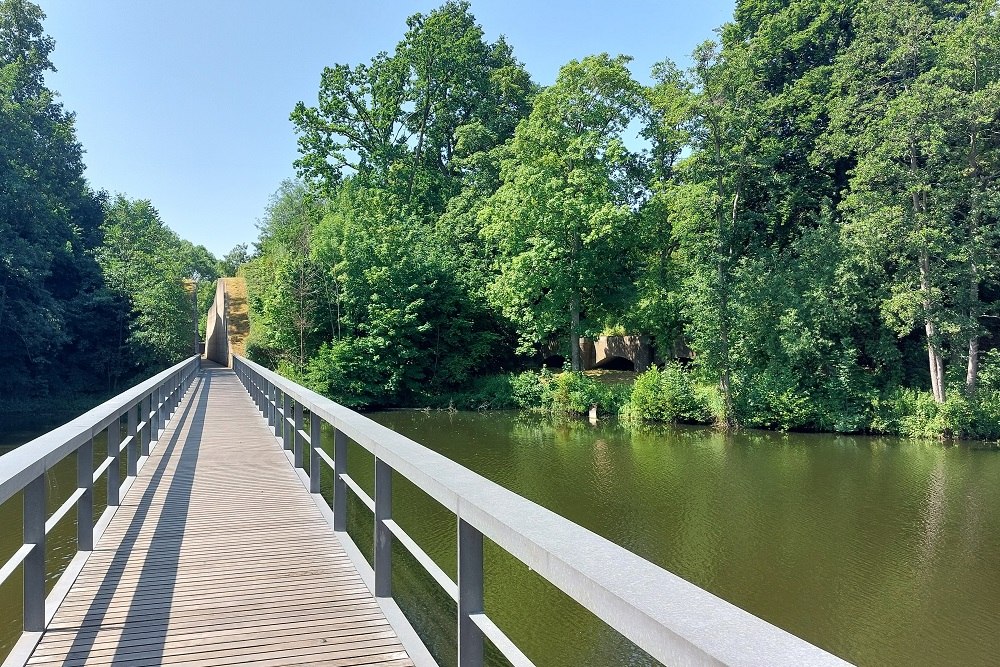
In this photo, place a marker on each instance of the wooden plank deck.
(218, 556)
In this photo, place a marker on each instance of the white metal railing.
(671, 619)
(145, 409)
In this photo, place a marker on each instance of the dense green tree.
(713, 222)
(561, 216)
(657, 309)
(816, 201)
(231, 262)
(49, 218)
(199, 264)
(285, 285)
(770, 296)
(966, 86)
(144, 264)
(68, 323)
(404, 121)
(405, 329)
(391, 146)
(918, 194)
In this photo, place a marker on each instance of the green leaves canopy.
(565, 202)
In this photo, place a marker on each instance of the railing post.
(132, 453)
(470, 594)
(288, 436)
(146, 435)
(168, 398)
(34, 563)
(339, 485)
(383, 536)
(299, 441)
(154, 415)
(271, 399)
(85, 505)
(114, 483)
(161, 417)
(315, 442)
(265, 407)
(258, 396)
(175, 388)
(279, 414)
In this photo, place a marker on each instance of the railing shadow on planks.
(671, 619)
(131, 422)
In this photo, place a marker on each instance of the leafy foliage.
(91, 289)
(666, 395)
(144, 265)
(563, 206)
(808, 220)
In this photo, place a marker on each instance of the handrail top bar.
(25, 463)
(674, 620)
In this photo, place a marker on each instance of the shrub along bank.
(673, 394)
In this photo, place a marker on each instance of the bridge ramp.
(218, 556)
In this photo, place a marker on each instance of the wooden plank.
(218, 556)
(236, 621)
(245, 577)
(250, 624)
(231, 643)
(355, 599)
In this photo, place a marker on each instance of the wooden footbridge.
(217, 547)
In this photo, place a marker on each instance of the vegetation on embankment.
(811, 209)
(672, 394)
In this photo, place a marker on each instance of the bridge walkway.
(217, 556)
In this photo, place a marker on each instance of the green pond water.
(883, 551)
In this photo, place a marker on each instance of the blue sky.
(186, 102)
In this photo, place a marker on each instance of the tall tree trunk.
(725, 380)
(972, 372)
(935, 360)
(574, 331)
(576, 247)
(972, 369)
(934, 357)
(423, 132)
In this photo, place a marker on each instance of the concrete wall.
(594, 353)
(216, 336)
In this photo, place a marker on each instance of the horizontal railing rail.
(145, 409)
(670, 618)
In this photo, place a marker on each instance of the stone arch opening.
(554, 362)
(616, 364)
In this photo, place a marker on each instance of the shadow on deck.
(218, 556)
